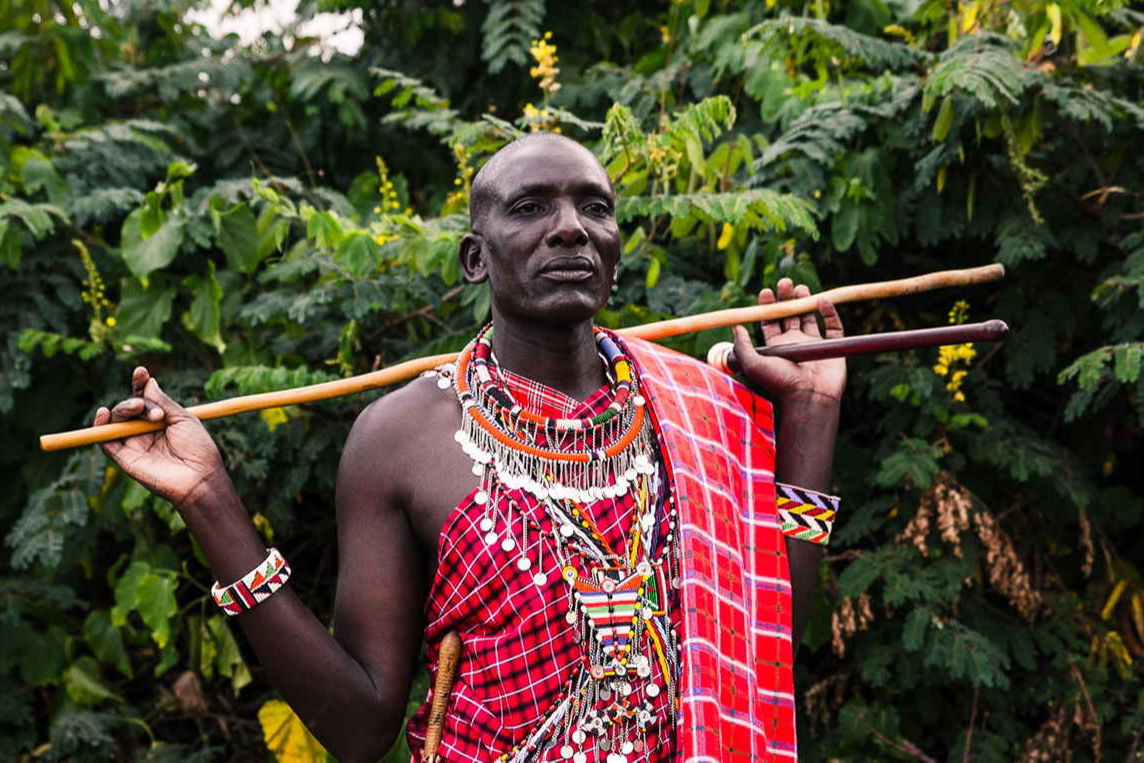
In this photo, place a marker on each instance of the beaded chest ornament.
(617, 599)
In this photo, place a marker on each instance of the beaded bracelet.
(806, 514)
(255, 586)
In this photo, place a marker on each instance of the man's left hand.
(783, 380)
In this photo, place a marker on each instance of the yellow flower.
(725, 236)
(111, 320)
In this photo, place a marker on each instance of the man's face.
(549, 240)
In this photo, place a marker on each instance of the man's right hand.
(175, 463)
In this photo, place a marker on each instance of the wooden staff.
(409, 369)
(447, 660)
(722, 354)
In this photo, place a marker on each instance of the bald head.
(488, 184)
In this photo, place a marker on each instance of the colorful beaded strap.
(255, 586)
(806, 514)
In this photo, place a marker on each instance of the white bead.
(539, 579)
(478, 469)
(567, 530)
(481, 498)
(639, 400)
(490, 538)
(443, 383)
(460, 436)
(653, 690)
(523, 563)
(486, 524)
(508, 544)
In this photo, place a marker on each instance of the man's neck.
(563, 357)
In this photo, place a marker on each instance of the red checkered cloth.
(518, 651)
(737, 693)
(736, 674)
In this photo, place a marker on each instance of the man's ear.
(472, 256)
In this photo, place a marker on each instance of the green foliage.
(242, 220)
(508, 30)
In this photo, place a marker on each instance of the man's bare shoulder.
(393, 433)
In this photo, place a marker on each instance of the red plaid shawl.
(737, 684)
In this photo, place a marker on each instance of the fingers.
(808, 322)
(139, 378)
(136, 408)
(157, 397)
(744, 347)
(771, 329)
(831, 319)
(786, 291)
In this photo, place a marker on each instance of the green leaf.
(143, 310)
(1104, 52)
(359, 253)
(228, 658)
(145, 255)
(914, 632)
(204, 318)
(83, 683)
(155, 602)
(105, 640)
(845, 226)
(238, 238)
(944, 119)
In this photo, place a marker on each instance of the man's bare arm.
(808, 396)
(351, 689)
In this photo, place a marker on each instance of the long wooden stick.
(409, 369)
(722, 354)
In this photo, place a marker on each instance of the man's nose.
(566, 227)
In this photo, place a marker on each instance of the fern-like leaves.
(981, 69)
(416, 105)
(761, 209)
(508, 30)
(829, 44)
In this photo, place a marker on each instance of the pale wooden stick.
(447, 660)
(842, 294)
(231, 406)
(409, 369)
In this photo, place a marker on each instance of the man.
(414, 489)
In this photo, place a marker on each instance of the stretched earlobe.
(472, 256)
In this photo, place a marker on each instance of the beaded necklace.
(617, 599)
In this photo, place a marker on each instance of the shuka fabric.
(732, 610)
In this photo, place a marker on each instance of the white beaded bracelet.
(255, 586)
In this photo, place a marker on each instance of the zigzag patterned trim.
(805, 514)
(255, 586)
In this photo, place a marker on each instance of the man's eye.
(597, 208)
(526, 208)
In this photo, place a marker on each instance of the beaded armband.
(255, 586)
(805, 514)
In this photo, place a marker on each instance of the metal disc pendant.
(508, 544)
(486, 524)
(653, 690)
(539, 579)
(490, 538)
(567, 752)
(523, 564)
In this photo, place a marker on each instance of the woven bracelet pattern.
(805, 514)
(255, 586)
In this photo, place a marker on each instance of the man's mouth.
(569, 269)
